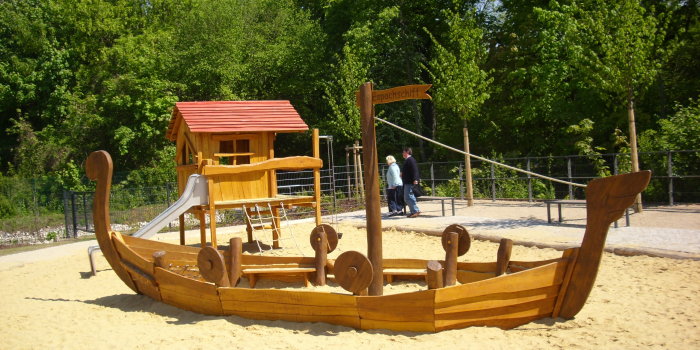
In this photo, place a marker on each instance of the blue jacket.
(393, 177)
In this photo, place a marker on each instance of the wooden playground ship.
(504, 293)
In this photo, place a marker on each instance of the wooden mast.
(372, 195)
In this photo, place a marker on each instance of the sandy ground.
(49, 299)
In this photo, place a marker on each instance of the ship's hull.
(484, 296)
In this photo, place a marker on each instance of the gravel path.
(662, 231)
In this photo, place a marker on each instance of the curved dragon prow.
(606, 200)
(98, 167)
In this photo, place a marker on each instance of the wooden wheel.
(464, 241)
(211, 265)
(331, 235)
(353, 271)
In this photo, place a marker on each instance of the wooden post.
(468, 168)
(434, 276)
(235, 270)
(159, 260)
(248, 225)
(181, 220)
(276, 227)
(356, 169)
(321, 257)
(372, 195)
(202, 226)
(451, 259)
(503, 258)
(317, 177)
(359, 168)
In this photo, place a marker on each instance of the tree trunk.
(468, 167)
(633, 145)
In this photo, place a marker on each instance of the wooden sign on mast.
(399, 93)
(366, 99)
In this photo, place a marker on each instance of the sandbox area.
(50, 301)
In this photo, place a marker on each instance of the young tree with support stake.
(461, 86)
(615, 46)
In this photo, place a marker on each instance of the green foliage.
(509, 183)
(82, 75)
(7, 209)
(585, 147)
(681, 131)
(460, 83)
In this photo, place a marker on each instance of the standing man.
(410, 177)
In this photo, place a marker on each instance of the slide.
(195, 193)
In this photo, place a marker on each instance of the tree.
(616, 47)
(460, 83)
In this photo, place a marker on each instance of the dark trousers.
(395, 199)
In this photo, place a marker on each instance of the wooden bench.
(574, 202)
(442, 202)
(253, 273)
(391, 272)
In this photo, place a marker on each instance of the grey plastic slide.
(195, 193)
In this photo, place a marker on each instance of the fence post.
(461, 188)
(66, 219)
(74, 215)
(382, 178)
(568, 171)
(493, 182)
(615, 164)
(347, 172)
(529, 182)
(670, 178)
(85, 213)
(432, 178)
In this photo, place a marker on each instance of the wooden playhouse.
(232, 143)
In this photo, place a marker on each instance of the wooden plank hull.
(532, 290)
(506, 301)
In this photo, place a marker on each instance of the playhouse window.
(186, 155)
(234, 152)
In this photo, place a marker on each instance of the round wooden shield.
(463, 240)
(211, 264)
(353, 271)
(331, 235)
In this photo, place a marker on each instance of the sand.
(50, 301)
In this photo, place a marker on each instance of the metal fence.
(670, 184)
(130, 208)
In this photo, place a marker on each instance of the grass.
(8, 250)
(29, 221)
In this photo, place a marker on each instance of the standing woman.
(394, 192)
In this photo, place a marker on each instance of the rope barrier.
(478, 157)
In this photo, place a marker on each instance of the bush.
(7, 209)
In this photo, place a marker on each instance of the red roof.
(235, 116)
